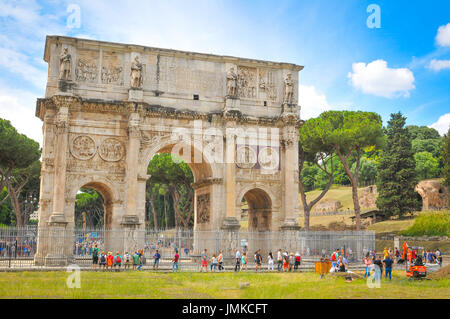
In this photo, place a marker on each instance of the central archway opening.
(259, 210)
(169, 193)
(92, 219)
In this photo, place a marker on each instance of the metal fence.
(30, 247)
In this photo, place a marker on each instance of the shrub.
(430, 224)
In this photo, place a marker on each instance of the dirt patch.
(441, 273)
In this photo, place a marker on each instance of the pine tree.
(396, 171)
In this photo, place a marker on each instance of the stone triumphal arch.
(109, 108)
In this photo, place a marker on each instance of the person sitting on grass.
(204, 265)
(156, 258)
(388, 267)
(341, 265)
(117, 261)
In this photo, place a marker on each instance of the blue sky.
(402, 66)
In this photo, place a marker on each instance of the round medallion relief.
(245, 157)
(111, 150)
(83, 147)
(268, 158)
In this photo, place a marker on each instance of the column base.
(56, 261)
(130, 221)
(290, 224)
(230, 224)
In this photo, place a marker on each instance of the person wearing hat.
(109, 261)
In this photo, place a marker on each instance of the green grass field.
(213, 285)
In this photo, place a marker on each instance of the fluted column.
(59, 179)
(290, 177)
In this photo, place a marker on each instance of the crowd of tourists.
(115, 262)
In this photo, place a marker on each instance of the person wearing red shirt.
(175, 260)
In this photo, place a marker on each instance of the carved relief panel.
(247, 82)
(267, 84)
(83, 147)
(203, 208)
(111, 150)
(112, 68)
(87, 66)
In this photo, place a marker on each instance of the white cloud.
(438, 65)
(312, 103)
(443, 35)
(18, 106)
(442, 125)
(17, 63)
(378, 79)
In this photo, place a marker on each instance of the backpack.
(103, 258)
(118, 260)
(95, 252)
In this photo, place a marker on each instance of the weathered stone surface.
(327, 206)
(122, 104)
(368, 196)
(434, 195)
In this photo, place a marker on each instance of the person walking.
(297, 261)
(175, 260)
(109, 261)
(141, 260)
(135, 260)
(279, 260)
(220, 261)
(291, 261)
(95, 252)
(156, 258)
(213, 263)
(270, 261)
(204, 264)
(117, 262)
(258, 260)
(237, 265)
(388, 267)
(367, 263)
(244, 261)
(127, 258)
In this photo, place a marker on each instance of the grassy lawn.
(212, 285)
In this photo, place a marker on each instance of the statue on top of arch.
(136, 73)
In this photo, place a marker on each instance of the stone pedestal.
(65, 86)
(132, 236)
(232, 106)
(136, 95)
(56, 235)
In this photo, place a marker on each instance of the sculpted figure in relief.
(288, 89)
(136, 73)
(231, 82)
(64, 65)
